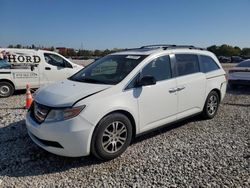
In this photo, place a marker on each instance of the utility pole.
(81, 46)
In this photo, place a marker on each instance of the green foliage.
(246, 51)
(18, 46)
(225, 50)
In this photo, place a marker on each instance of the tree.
(18, 46)
(245, 51)
(71, 52)
(85, 53)
(213, 49)
(97, 53)
(225, 50)
(106, 52)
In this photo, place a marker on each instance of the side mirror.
(146, 81)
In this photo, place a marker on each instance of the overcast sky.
(124, 24)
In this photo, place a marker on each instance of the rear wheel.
(211, 105)
(6, 89)
(111, 137)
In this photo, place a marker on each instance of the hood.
(66, 93)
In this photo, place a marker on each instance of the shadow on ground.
(20, 157)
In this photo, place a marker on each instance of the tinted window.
(208, 64)
(159, 68)
(186, 64)
(245, 63)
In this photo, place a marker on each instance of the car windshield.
(110, 69)
(245, 63)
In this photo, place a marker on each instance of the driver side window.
(159, 68)
(56, 60)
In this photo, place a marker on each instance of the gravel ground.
(195, 153)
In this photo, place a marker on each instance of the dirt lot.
(195, 152)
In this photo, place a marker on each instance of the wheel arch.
(129, 116)
(217, 91)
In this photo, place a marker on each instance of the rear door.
(55, 68)
(157, 103)
(191, 85)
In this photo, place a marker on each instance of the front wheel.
(6, 89)
(111, 137)
(211, 105)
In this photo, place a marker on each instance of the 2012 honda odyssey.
(102, 107)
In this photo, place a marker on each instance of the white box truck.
(36, 67)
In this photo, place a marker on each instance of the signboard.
(20, 75)
(17, 57)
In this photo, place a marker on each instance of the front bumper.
(70, 138)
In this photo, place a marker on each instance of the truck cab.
(34, 67)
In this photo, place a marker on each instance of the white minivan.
(102, 107)
(19, 67)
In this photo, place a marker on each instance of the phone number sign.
(19, 75)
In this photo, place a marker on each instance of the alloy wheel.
(114, 137)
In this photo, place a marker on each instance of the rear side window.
(208, 64)
(159, 68)
(187, 64)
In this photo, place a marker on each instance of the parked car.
(239, 75)
(102, 107)
(236, 59)
(224, 59)
(36, 67)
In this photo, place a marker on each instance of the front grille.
(39, 112)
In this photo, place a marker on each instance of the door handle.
(180, 88)
(172, 90)
(47, 68)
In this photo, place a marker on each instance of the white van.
(36, 67)
(102, 107)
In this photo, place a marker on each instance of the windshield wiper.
(91, 80)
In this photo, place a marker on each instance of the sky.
(99, 24)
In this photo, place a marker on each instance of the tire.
(107, 143)
(6, 89)
(211, 105)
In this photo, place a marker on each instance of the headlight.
(63, 114)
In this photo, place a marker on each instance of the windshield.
(245, 63)
(110, 69)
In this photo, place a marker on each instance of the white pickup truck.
(36, 67)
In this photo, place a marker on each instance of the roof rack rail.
(172, 46)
